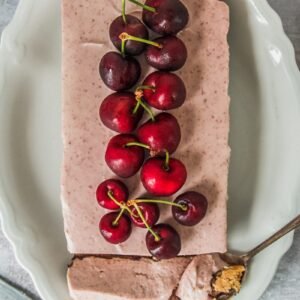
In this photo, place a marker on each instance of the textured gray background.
(286, 283)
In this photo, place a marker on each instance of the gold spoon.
(226, 283)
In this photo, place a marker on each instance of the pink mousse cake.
(204, 122)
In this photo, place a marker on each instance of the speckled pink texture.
(189, 278)
(204, 120)
(94, 278)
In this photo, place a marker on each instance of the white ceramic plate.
(265, 140)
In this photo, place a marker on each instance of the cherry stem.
(123, 48)
(138, 98)
(131, 144)
(147, 109)
(124, 36)
(145, 87)
(167, 161)
(121, 204)
(124, 11)
(156, 236)
(158, 201)
(136, 108)
(115, 222)
(147, 7)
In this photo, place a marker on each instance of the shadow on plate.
(245, 123)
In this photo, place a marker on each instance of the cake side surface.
(95, 278)
(204, 121)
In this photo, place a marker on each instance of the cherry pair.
(122, 111)
(163, 242)
(164, 17)
(121, 73)
(159, 134)
(160, 176)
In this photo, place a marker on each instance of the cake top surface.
(204, 121)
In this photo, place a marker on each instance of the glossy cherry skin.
(115, 234)
(118, 190)
(168, 90)
(161, 181)
(196, 204)
(170, 17)
(119, 73)
(150, 212)
(116, 112)
(133, 26)
(169, 244)
(122, 160)
(171, 57)
(162, 134)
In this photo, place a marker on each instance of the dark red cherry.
(150, 212)
(196, 205)
(119, 73)
(161, 134)
(171, 57)
(169, 244)
(118, 190)
(122, 160)
(160, 180)
(170, 17)
(133, 26)
(168, 90)
(117, 112)
(115, 233)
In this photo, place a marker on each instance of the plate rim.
(12, 229)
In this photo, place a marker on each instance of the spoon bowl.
(235, 272)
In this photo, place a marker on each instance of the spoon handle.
(283, 231)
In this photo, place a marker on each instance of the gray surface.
(286, 283)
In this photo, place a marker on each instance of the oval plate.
(265, 140)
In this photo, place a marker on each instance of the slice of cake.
(204, 150)
(187, 278)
